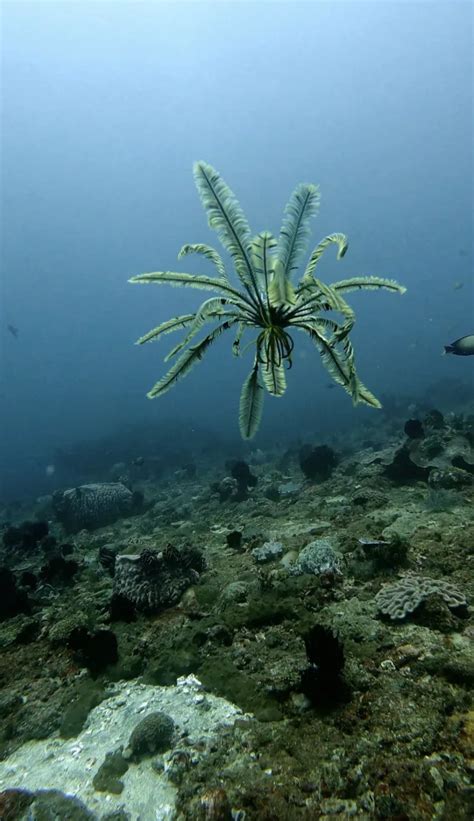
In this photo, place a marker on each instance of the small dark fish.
(13, 330)
(461, 347)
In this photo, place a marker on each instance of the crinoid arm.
(238, 338)
(179, 279)
(295, 230)
(313, 296)
(262, 261)
(210, 310)
(251, 403)
(339, 362)
(187, 361)
(226, 217)
(280, 291)
(274, 347)
(368, 283)
(205, 251)
(274, 378)
(332, 239)
(175, 324)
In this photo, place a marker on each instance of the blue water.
(105, 108)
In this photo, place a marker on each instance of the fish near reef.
(461, 347)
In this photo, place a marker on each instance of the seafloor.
(292, 694)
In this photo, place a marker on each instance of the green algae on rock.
(107, 777)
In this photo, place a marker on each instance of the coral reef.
(357, 680)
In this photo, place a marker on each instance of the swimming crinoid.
(264, 299)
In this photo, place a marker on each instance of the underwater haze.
(105, 108)
(216, 606)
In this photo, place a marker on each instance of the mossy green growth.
(107, 777)
(222, 677)
(62, 628)
(265, 609)
(18, 630)
(207, 594)
(127, 667)
(170, 664)
(458, 667)
(88, 694)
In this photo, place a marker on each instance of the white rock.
(69, 765)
